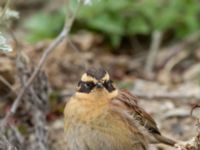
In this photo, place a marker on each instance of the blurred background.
(150, 47)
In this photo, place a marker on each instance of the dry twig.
(4, 10)
(70, 17)
(193, 144)
(187, 43)
(6, 83)
(154, 47)
(37, 100)
(11, 139)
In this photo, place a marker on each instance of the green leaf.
(137, 25)
(107, 23)
(43, 25)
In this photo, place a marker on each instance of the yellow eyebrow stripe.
(86, 78)
(106, 77)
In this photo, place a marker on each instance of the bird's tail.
(164, 140)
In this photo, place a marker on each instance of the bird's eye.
(88, 85)
(85, 87)
(109, 86)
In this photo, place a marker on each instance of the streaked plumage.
(99, 117)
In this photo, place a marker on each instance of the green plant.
(122, 18)
(118, 19)
(43, 25)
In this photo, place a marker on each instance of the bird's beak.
(99, 85)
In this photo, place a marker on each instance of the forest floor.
(168, 94)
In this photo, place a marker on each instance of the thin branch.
(154, 47)
(64, 33)
(193, 143)
(5, 9)
(6, 83)
(5, 143)
(73, 46)
(180, 46)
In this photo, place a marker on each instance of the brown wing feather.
(143, 118)
(125, 100)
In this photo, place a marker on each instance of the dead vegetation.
(35, 85)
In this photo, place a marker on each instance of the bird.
(99, 116)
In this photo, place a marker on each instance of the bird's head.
(96, 82)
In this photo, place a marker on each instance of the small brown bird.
(100, 117)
